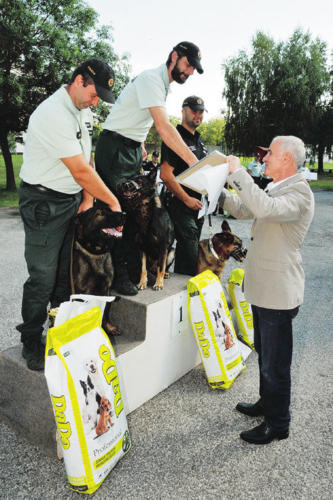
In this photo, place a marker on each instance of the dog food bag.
(241, 307)
(82, 378)
(213, 330)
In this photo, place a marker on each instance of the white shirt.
(53, 133)
(130, 115)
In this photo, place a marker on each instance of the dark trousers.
(117, 159)
(274, 344)
(48, 230)
(187, 231)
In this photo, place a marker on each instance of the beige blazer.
(274, 276)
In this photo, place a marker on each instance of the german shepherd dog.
(91, 264)
(214, 252)
(155, 234)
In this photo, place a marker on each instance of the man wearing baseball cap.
(58, 181)
(121, 144)
(184, 204)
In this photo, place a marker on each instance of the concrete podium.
(156, 347)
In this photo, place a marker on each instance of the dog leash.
(210, 241)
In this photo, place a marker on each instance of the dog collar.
(211, 248)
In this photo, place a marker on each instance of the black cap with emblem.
(192, 52)
(195, 103)
(103, 76)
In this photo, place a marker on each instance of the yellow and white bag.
(241, 307)
(82, 378)
(213, 330)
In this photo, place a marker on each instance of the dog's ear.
(98, 398)
(225, 227)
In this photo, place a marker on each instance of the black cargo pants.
(47, 219)
(187, 231)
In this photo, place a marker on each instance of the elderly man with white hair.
(274, 276)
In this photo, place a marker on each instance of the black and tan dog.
(155, 233)
(91, 263)
(214, 252)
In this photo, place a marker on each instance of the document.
(207, 177)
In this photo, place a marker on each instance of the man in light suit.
(274, 276)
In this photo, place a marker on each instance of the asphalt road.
(186, 440)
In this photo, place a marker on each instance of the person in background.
(58, 181)
(153, 164)
(185, 203)
(274, 276)
(255, 169)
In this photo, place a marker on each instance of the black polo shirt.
(194, 142)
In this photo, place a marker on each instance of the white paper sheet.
(209, 180)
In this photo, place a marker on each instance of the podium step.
(156, 347)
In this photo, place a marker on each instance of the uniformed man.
(185, 204)
(121, 144)
(57, 164)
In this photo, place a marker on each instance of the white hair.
(294, 146)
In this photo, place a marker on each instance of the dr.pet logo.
(64, 428)
(246, 313)
(203, 341)
(111, 376)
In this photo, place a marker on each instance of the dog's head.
(90, 365)
(133, 192)
(87, 387)
(105, 404)
(97, 225)
(227, 244)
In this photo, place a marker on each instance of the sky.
(149, 29)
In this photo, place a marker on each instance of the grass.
(10, 199)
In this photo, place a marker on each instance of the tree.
(41, 43)
(212, 132)
(278, 89)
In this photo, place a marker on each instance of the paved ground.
(185, 440)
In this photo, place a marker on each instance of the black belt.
(43, 189)
(125, 140)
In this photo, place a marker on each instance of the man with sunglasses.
(121, 144)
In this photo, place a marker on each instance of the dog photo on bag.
(155, 232)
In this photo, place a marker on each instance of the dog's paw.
(142, 285)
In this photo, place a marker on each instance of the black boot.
(34, 353)
(252, 410)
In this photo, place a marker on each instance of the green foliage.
(277, 89)
(212, 132)
(41, 43)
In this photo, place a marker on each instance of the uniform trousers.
(48, 224)
(118, 158)
(187, 231)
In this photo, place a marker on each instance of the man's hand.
(115, 207)
(234, 163)
(193, 203)
(85, 205)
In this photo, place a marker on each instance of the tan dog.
(213, 253)
(104, 422)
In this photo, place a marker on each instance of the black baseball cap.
(195, 103)
(103, 76)
(192, 52)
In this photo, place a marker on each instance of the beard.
(177, 75)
